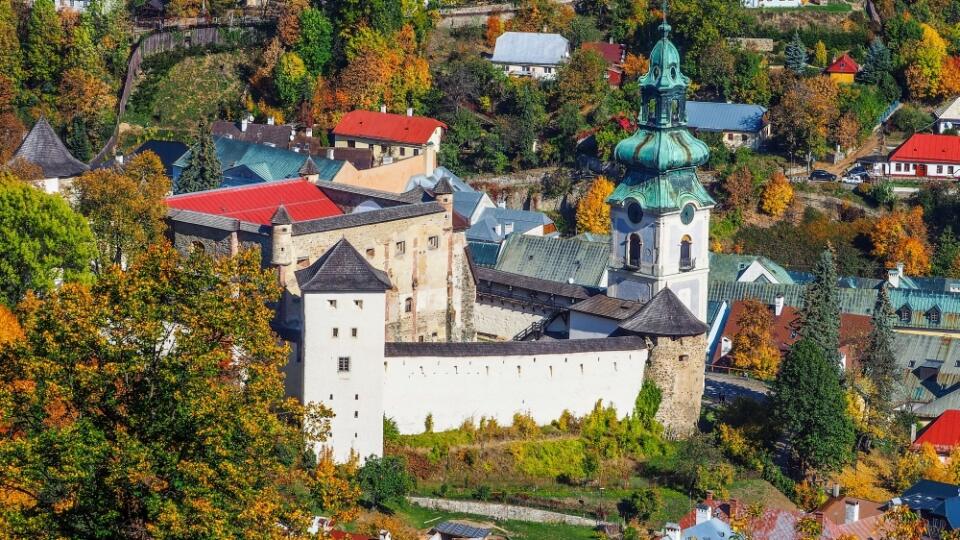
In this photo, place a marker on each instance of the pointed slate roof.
(43, 148)
(281, 216)
(443, 187)
(309, 167)
(342, 269)
(664, 315)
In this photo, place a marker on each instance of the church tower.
(660, 212)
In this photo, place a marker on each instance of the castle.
(648, 323)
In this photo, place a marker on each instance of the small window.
(331, 397)
(434, 242)
(356, 397)
(356, 414)
(416, 151)
(420, 339)
(401, 247)
(358, 303)
(383, 148)
(332, 303)
(684, 357)
(353, 332)
(729, 136)
(408, 305)
(343, 364)
(934, 315)
(336, 332)
(403, 151)
(939, 169)
(913, 363)
(370, 253)
(351, 144)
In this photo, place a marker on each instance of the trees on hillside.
(203, 170)
(819, 318)
(877, 63)
(151, 404)
(777, 195)
(796, 54)
(314, 41)
(593, 212)
(924, 59)
(901, 236)
(44, 38)
(753, 347)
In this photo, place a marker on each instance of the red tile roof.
(943, 433)
(928, 148)
(844, 64)
(611, 52)
(257, 203)
(341, 535)
(387, 127)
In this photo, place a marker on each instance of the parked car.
(855, 178)
(857, 170)
(822, 176)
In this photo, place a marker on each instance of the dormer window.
(933, 315)
(905, 314)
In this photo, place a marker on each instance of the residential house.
(531, 54)
(738, 124)
(923, 154)
(943, 434)
(495, 224)
(755, 4)
(167, 151)
(938, 504)
(614, 55)
(461, 530)
(842, 510)
(843, 70)
(948, 118)
(731, 267)
(43, 148)
(246, 130)
(390, 136)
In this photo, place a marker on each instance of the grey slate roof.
(277, 135)
(443, 187)
(556, 259)
(519, 281)
(460, 530)
(43, 148)
(664, 315)
(604, 306)
(504, 348)
(465, 202)
(346, 221)
(485, 229)
(530, 48)
(281, 216)
(708, 116)
(342, 269)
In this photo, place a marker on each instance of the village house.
(44, 149)
(390, 136)
(531, 54)
(843, 70)
(943, 433)
(948, 117)
(938, 504)
(614, 55)
(923, 155)
(739, 125)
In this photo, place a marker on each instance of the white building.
(925, 155)
(531, 54)
(949, 117)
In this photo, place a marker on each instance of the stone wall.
(502, 511)
(495, 321)
(677, 368)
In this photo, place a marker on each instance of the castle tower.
(343, 347)
(660, 212)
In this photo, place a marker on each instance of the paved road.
(728, 387)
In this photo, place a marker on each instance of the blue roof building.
(467, 201)
(739, 124)
(494, 224)
(937, 502)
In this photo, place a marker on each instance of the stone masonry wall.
(502, 511)
(677, 368)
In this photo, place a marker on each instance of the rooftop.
(43, 148)
(928, 148)
(503, 348)
(168, 152)
(564, 260)
(277, 135)
(530, 48)
(390, 127)
(494, 224)
(604, 306)
(342, 269)
(937, 498)
(258, 203)
(664, 315)
(613, 53)
(265, 162)
(951, 111)
(943, 433)
(709, 116)
(843, 64)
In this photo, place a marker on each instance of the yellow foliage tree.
(777, 195)
(901, 236)
(925, 59)
(753, 347)
(593, 212)
(635, 65)
(866, 477)
(10, 330)
(820, 54)
(494, 29)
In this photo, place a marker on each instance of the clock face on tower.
(635, 212)
(686, 215)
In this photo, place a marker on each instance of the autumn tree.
(541, 16)
(125, 208)
(12, 129)
(315, 41)
(288, 24)
(45, 242)
(10, 330)
(777, 195)
(44, 37)
(582, 79)
(901, 236)
(593, 212)
(753, 347)
(820, 54)
(635, 65)
(925, 61)
(151, 404)
(847, 132)
(739, 188)
(796, 54)
(85, 95)
(289, 77)
(628, 17)
(806, 114)
(494, 29)
(203, 170)
(901, 523)
(949, 83)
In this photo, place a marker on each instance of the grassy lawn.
(423, 518)
(832, 7)
(755, 490)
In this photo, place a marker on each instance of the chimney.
(243, 124)
(502, 203)
(836, 490)
(330, 153)
(703, 513)
(119, 159)
(778, 305)
(308, 132)
(271, 121)
(384, 535)
(671, 531)
(900, 268)
(913, 432)
(508, 227)
(409, 111)
(851, 512)
(893, 278)
(383, 107)
(499, 229)
(709, 498)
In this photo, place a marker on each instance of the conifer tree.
(810, 408)
(878, 62)
(878, 361)
(820, 315)
(77, 140)
(796, 54)
(44, 38)
(203, 170)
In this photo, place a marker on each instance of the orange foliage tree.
(753, 347)
(777, 195)
(635, 65)
(593, 212)
(901, 523)
(494, 29)
(847, 133)
(10, 330)
(949, 84)
(541, 16)
(901, 236)
(739, 188)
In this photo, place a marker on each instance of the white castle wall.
(456, 389)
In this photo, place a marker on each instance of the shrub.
(910, 119)
(524, 426)
(640, 505)
(391, 433)
(482, 493)
(428, 423)
(550, 459)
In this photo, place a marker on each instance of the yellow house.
(843, 69)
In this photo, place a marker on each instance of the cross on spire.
(664, 27)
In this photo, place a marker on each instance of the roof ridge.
(258, 185)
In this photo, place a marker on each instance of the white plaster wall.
(357, 396)
(503, 322)
(586, 326)
(457, 389)
(537, 72)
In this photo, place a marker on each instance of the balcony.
(687, 264)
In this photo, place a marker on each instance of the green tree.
(568, 123)
(82, 52)
(947, 254)
(809, 406)
(819, 317)
(877, 63)
(751, 82)
(878, 361)
(44, 241)
(384, 479)
(795, 54)
(77, 140)
(582, 79)
(11, 57)
(641, 505)
(289, 77)
(203, 168)
(582, 30)
(44, 39)
(699, 24)
(315, 41)
(628, 17)
(151, 404)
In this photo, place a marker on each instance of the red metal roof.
(844, 64)
(257, 203)
(943, 433)
(928, 148)
(611, 52)
(387, 127)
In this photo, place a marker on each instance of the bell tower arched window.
(686, 259)
(634, 247)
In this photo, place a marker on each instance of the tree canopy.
(820, 315)
(203, 169)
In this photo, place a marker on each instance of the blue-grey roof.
(729, 267)
(708, 116)
(484, 253)
(712, 529)
(564, 260)
(461, 530)
(428, 182)
(266, 162)
(530, 48)
(937, 498)
(465, 202)
(485, 229)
